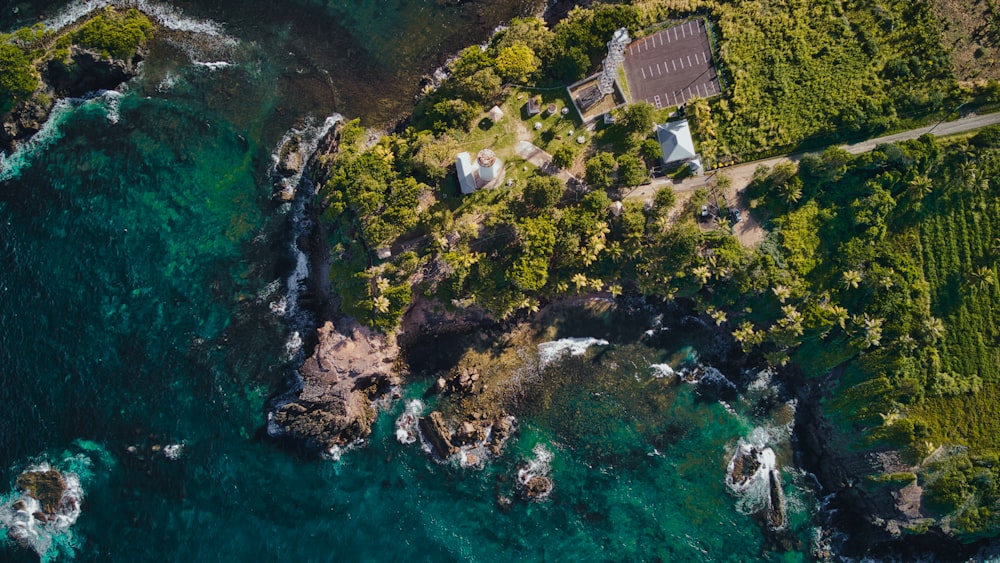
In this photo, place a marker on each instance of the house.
(676, 143)
(465, 171)
(495, 114)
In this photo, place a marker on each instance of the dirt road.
(748, 231)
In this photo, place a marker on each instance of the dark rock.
(46, 486)
(87, 71)
(83, 72)
(437, 434)
(537, 488)
(745, 465)
(776, 515)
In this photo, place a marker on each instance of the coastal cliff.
(100, 52)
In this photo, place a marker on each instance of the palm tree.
(981, 278)
(782, 292)
(702, 273)
(746, 335)
(920, 186)
(718, 316)
(791, 191)
(381, 304)
(873, 331)
(852, 279)
(934, 327)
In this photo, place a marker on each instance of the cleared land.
(971, 38)
(672, 66)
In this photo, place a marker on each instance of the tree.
(636, 119)
(541, 192)
(651, 150)
(630, 171)
(531, 32)
(664, 200)
(484, 86)
(981, 278)
(599, 169)
(17, 77)
(516, 63)
(564, 156)
(852, 279)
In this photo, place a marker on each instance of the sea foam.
(549, 352)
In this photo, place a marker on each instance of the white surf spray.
(12, 165)
(407, 429)
(752, 475)
(166, 15)
(214, 65)
(537, 467)
(26, 523)
(309, 138)
(173, 452)
(662, 371)
(549, 352)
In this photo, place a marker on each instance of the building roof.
(675, 141)
(486, 157)
(465, 169)
(534, 105)
(495, 114)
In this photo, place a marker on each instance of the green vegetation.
(18, 78)
(883, 264)
(115, 33)
(811, 73)
(25, 51)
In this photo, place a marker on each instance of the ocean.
(144, 323)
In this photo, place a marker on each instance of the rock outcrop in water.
(345, 373)
(437, 433)
(47, 487)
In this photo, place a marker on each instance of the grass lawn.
(556, 130)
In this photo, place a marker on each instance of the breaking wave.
(549, 352)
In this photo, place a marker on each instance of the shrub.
(115, 34)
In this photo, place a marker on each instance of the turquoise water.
(141, 255)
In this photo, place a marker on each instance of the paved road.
(741, 175)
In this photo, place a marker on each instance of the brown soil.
(965, 33)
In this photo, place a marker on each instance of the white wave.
(268, 290)
(753, 488)
(293, 344)
(169, 81)
(12, 165)
(549, 352)
(214, 65)
(661, 371)
(173, 452)
(112, 101)
(539, 466)
(407, 428)
(74, 12)
(167, 16)
(279, 306)
(309, 138)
